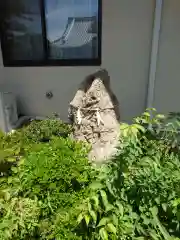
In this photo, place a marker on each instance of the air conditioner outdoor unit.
(8, 111)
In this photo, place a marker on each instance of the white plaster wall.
(126, 44)
(167, 87)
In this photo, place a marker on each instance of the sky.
(58, 11)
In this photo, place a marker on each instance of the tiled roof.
(78, 32)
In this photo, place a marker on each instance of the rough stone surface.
(94, 112)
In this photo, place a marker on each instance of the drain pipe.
(154, 53)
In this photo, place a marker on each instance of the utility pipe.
(154, 53)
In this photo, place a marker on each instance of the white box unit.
(8, 111)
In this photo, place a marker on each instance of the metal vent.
(8, 111)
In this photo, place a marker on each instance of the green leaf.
(93, 215)
(164, 206)
(87, 219)
(147, 114)
(95, 200)
(154, 211)
(10, 159)
(14, 169)
(153, 235)
(103, 221)
(52, 186)
(139, 127)
(109, 207)
(21, 162)
(103, 234)
(151, 110)
(140, 229)
(139, 238)
(124, 126)
(160, 116)
(111, 228)
(146, 220)
(133, 130)
(7, 196)
(96, 186)
(161, 228)
(115, 219)
(157, 200)
(80, 218)
(89, 206)
(104, 198)
(10, 180)
(120, 206)
(109, 186)
(176, 202)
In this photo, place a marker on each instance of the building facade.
(140, 49)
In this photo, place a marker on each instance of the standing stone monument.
(94, 113)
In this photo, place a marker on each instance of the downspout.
(154, 53)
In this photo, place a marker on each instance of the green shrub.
(36, 131)
(137, 195)
(46, 179)
(51, 191)
(19, 217)
(56, 176)
(45, 129)
(13, 146)
(55, 171)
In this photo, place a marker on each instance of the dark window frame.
(54, 62)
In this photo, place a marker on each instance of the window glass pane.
(72, 29)
(22, 30)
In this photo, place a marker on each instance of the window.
(50, 32)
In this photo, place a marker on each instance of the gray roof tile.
(78, 32)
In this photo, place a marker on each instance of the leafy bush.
(138, 193)
(44, 130)
(41, 194)
(13, 146)
(51, 191)
(55, 171)
(37, 131)
(19, 218)
(57, 174)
